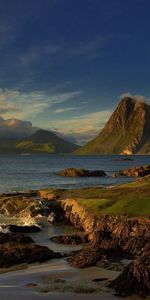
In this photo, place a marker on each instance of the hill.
(45, 141)
(126, 132)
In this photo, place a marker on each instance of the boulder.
(86, 257)
(15, 238)
(12, 253)
(23, 229)
(73, 172)
(69, 239)
(134, 172)
(135, 279)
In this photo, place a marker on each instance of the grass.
(31, 146)
(132, 199)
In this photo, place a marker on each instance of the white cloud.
(83, 128)
(62, 110)
(139, 98)
(26, 105)
(13, 128)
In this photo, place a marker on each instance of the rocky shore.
(107, 237)
(111, 237)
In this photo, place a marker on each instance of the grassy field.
(132, 199)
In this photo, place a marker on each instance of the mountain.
(126, 132)
(45, 141)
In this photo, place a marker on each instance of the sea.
(19, 173)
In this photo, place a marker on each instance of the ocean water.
(38, 171)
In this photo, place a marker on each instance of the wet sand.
(14, 285)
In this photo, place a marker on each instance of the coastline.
(30, 277)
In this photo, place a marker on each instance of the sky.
(65, 64)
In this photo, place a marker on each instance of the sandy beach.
(13, 285)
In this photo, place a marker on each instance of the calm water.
(20, 173)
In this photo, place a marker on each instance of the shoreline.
(74, 205)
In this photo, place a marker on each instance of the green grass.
(36, 147)
(132, 199)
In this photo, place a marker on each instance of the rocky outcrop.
(11, 205)
(73, 172)
(135, 279)
(23, 229)
(12, 254)
(86, 257)
(134, 172)
(16, 249)
(15, 238)
(69, 239)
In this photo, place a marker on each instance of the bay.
(38, 171)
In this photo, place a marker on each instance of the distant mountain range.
(126, 132)
(40, 141)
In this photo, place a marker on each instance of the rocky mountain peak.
(126, 132)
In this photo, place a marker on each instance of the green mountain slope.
(45, 141)
(126, 132)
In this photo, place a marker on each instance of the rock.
(12, 253)
(124, 159)
(135, 279)
(86, 257)
(11, 205)
(15, 238)
(111, 264)
(69, 239)
(73, 172)
(17, 248)
(110, 248)
(99, 279)
(23, 229)
(97, 173)
(134, 172)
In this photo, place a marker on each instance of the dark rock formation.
(86, 257)
(15, 238)
(12, 253)
(69, 239)
(124, 159)
(23, 229)
(17, 248)
(73, 172)
(135, 278)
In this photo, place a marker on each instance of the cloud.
(34, 54)
(139, 98)
(90, 47)
(28, 105)
(63, 110)
(15, 129)
(83, 128)
(64, 49)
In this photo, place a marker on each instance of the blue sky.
(64, 64)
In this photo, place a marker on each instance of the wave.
(4, 228)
